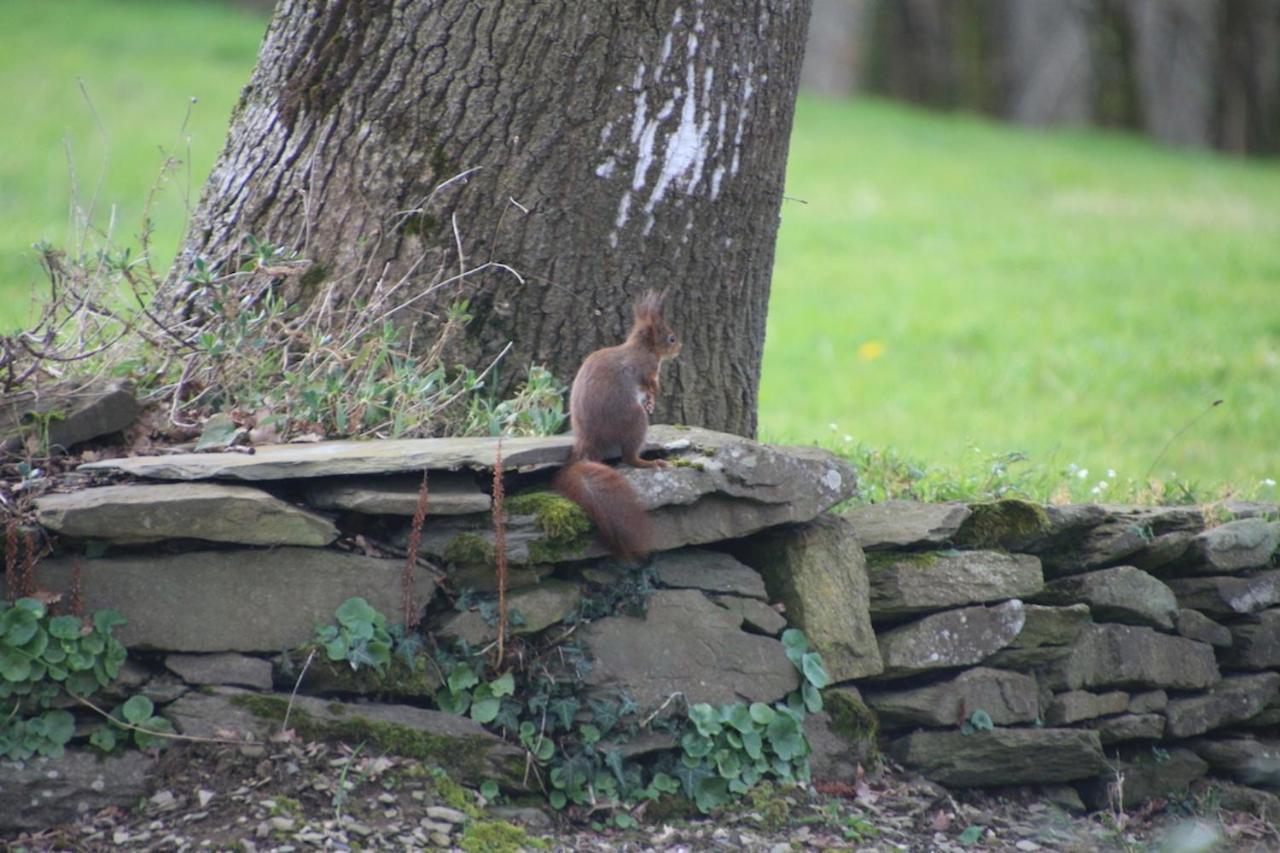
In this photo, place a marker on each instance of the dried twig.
(411, 556)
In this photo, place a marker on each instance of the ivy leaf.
(356, 611)
(740, 718)
(812, 698)
(64, 627)
(13, 666)
(762, 713)
(504, 686)
(104, 738)
(462, 678)
(485, 710)
(814, 671)
(138, 709)
(105, 620)
(705, 719)
(59, 726)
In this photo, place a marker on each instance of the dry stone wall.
(987, 645)
(1085, 644)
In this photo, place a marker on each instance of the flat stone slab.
(686, 644)
(950, 639)
(1002, 757)
(343, 458)
(906, 525)
(922, 582)
(1076, 705)
(1119, 594)
(718, 487)
(818, 572)
(45, 792)
(709, 571)
(221, 668)
(1008, 697)
(214, 512)
(448, 493)
(68, 413)
(242, 600)
(1233, 700)
(1126, 656)
(457, 743)
(1128, 727)
(1228, 596)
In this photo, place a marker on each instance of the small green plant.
(360, 638)
(135, 717)
(732, 748)
(42, 655)
(464, 693)
(978, 721)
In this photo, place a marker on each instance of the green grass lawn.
(946, 283)
(141, 62)
(951, 283)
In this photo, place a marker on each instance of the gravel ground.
(293, 795)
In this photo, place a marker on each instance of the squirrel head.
(651, 329)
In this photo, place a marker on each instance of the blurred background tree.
(1201, 73)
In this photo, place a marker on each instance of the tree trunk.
(1249, 114)
(1174, 56)
(833, 55)
(598, 149)
(1048, 71)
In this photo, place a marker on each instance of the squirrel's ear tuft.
(651, 305)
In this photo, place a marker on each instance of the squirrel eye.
(671, 339)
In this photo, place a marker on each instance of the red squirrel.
(609, 407)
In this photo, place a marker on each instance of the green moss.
(685, 463)
(285, 806)
(853, 720)
(561, 519)
(498, 836)
(452, 794)
(773, 808)
(469, 548)
(1007, 523)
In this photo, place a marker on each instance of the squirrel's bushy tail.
(611, 504)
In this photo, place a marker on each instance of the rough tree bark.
(608, 147)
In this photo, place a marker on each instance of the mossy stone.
(561, 519)
(1009, 524)
(851, 718)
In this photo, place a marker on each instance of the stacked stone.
(224, 565)
(1082, 644)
